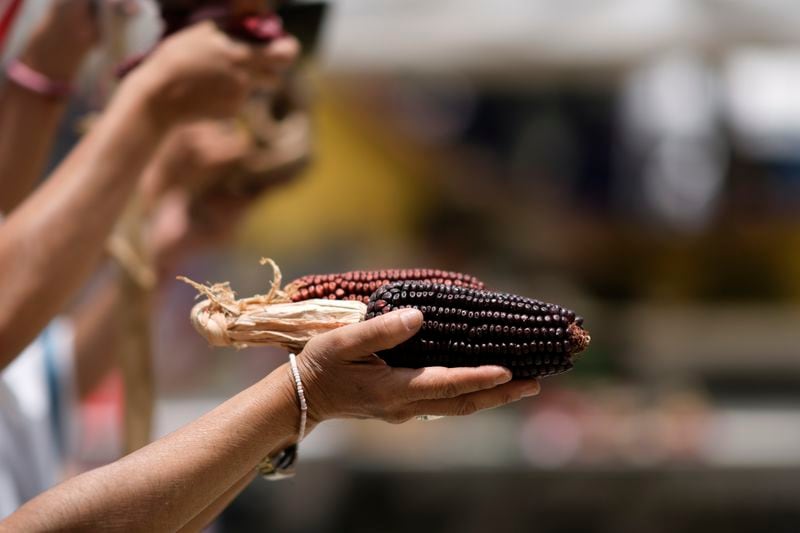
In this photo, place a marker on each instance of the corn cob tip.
(578, 337)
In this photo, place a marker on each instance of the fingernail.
(505, 377)
(411, 318)
(531, 388)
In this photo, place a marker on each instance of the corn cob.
(464, 326)
(360, 284)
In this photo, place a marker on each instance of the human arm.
(51, 243)
(29, 121)
(175, 479)
(210, 513)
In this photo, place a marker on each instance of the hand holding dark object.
(198, 467)
(268, 145)
(201, 72)
(254, 21)
(344, 379)
(207, 175)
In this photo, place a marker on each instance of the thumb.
(365, 338)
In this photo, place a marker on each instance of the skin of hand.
(193, 155)
(344, 379)
(202, 73)
(212, 158)
(266, 145)
(199, 468)
(199, 72)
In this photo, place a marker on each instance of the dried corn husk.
(267, 320)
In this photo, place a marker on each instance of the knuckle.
(334, 343)
(381, 327)
(238, 53)
(321, 346)
(449, 389)
(284, 49)
(312, 346)
(328, 342)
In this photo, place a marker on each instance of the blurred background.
(636, 161)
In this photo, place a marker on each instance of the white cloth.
(37, 395)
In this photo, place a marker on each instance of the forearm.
(28, 124)
(29, 121)
(51, 243)
(210, 513)
(169, 483)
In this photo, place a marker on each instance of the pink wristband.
(36, 82)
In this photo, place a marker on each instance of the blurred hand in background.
(208, 173)
(201, 72)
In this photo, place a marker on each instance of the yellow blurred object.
(364, 185)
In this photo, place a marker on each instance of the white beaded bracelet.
(301, 396)
(282, 465)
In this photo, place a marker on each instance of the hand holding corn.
(199, 467)
(344, 379)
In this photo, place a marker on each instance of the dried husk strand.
(267, 320)
(134, 352)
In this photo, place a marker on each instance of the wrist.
(33, 82)
(276, 466)
(138, 97)
(280, 385)
(61, 66)
(309, 374)
(145, 89)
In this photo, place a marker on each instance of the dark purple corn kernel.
(466, 326)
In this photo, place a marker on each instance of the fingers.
(365, 338)
(215, 143)
(478, 401)
(281, 53)
(274, 57)
(269, 63)
(436, 382)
